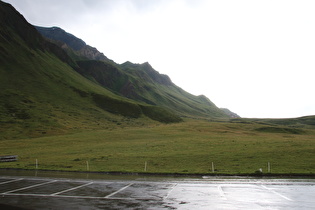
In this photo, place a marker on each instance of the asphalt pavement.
(23, 192)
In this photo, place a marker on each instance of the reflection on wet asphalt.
(155, 193)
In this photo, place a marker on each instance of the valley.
(65, 106)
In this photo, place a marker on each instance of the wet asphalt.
(25, 192)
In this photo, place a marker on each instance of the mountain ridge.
(42, 93)
(140, 82)
(77, 44)
(230, 113)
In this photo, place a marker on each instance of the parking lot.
(168, 193)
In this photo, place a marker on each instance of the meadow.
(57, 115)
(189, 147)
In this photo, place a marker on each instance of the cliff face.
(230, 114)
(92, 53)
(55, 33)
(67, 40)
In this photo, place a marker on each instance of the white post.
(212, 166)
(145, 166)
(36, 164)
(87, 166)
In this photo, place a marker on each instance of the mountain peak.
(56, 33)
(151, 73)
(73, 42)
(146, 64)
(230, 113)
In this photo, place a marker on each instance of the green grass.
(188, 147)
(142, 83)
(41, 94)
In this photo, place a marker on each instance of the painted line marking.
(24, 188)
(168, 194)
(114, 193)
(221, 192)
(68, 196)
(74, 188)
(271, 190)
(46, 195)
(14, 180)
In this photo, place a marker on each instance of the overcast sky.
(255, 57)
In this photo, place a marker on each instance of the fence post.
(145, 166)
(87, 166)
(212, 167)
(269, 167)
(36, 164)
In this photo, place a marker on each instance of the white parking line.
(114, 193)
(24, 188)
(58, 196)
(168, 194)
(68, 196)
(14, 180)
(271, 190)
(74, 188)
(221, 192)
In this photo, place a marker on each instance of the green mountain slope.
(159, 89)
(41, 93)
(135, 81)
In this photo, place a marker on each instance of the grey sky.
(254, 57)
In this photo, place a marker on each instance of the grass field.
(51, 113)
(187, 147)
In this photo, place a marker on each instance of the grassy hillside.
(42, 94)
(38, 91)
(187, 147)
(159, 89)
(76, 119)
(135, 81)
(144, 84)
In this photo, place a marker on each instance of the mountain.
(140, 82)
(42, 92)
(230, 113)
(67, 40)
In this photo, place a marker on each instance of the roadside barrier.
(8, 158)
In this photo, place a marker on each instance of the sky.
(254, 57)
